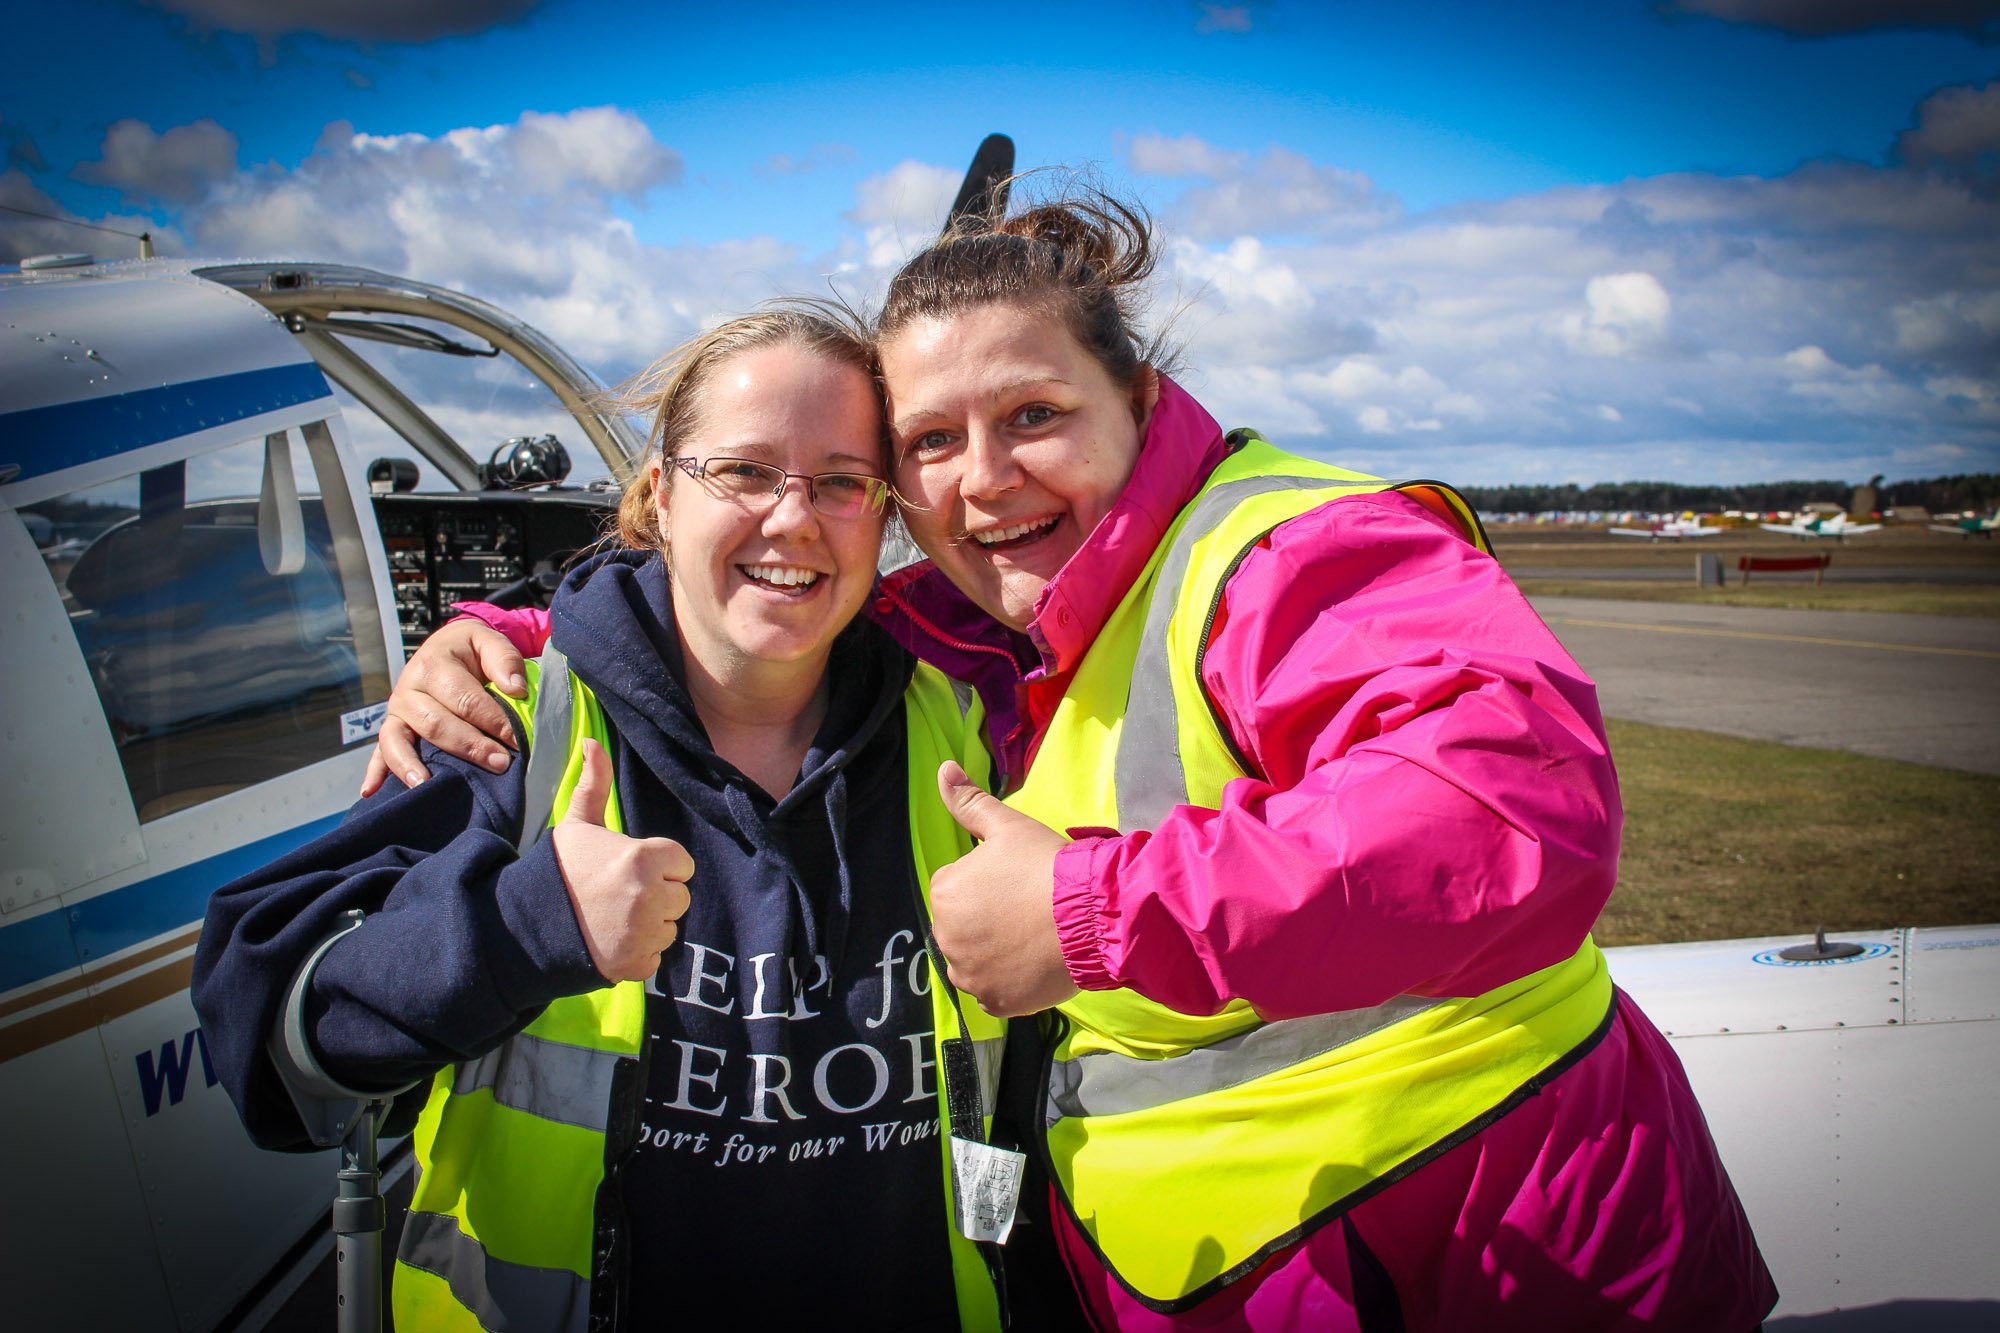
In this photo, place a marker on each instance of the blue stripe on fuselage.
(55, 943)
(64, 435)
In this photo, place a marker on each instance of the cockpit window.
(222, 655)
(478, 401)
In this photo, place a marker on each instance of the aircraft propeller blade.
(984, 190)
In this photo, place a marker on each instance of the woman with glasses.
(674, 1056)
(1309, 820)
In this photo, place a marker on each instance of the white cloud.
(1921, 459)
(1980, 397)
(819, 157)
(1954, 125)
(522, 214)
(1224, 18)
(1829, 321)
(179, 166)
(1723, 316)
(1248, 270)
(901, 209)
(1189, 155)
(595, 148)
(1248, 297)
(523, 209)
(1276, 191)
(1935, 323)
(1624, 314)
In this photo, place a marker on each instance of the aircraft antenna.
(1819, 951)
(144, 238)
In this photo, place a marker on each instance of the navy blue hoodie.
(783, 1166)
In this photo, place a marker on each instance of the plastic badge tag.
(986, 1185)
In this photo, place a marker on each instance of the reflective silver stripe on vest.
(567, 1084)
(986, 1054)
(1151, 778)
(554, 704)
(1106, 1083)
(502, 1296)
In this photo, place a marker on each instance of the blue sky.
(1688, 239)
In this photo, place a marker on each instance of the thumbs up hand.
(993, 911)
(627, 892)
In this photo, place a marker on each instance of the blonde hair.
(672, 392)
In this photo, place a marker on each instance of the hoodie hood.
(613, 617)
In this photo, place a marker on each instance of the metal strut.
(333, 1113)
(359, 1216)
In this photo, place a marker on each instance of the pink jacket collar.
(1181, 447)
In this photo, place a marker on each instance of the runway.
(1920, 688)
(1666, 569)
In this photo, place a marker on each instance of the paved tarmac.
(1921, 688)
(1679, 571)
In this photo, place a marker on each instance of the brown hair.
(672, 391)
(1081, 257)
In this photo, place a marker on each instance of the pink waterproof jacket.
(1436, 814)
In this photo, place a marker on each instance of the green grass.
(1726, 838)
(1929, 599)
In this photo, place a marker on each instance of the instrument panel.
(507, 548)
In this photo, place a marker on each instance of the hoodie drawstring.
(753, 831)
(842, 906)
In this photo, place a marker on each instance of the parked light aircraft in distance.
(1669, 529)
(209, 593)
(1970, 527)
(1836, 526)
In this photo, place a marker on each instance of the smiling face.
(757, 585)
(1011, 442)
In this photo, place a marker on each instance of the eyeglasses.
(761, 485)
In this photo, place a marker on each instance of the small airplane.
(232, 498)
(1836, 526)
(1670, 529)
(1970, 527)
(209, 593)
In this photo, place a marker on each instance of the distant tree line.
(1978, 491)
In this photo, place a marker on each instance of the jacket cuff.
(1080, 924)
(527, 628)
(534, 902)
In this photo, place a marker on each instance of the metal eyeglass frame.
(874, 495)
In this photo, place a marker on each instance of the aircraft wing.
(1851, 1101)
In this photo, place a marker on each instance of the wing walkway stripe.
(1775, 638)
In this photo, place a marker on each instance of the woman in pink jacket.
(1427, 810)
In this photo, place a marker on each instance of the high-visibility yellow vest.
(1191, 1147)
(510, 1148)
